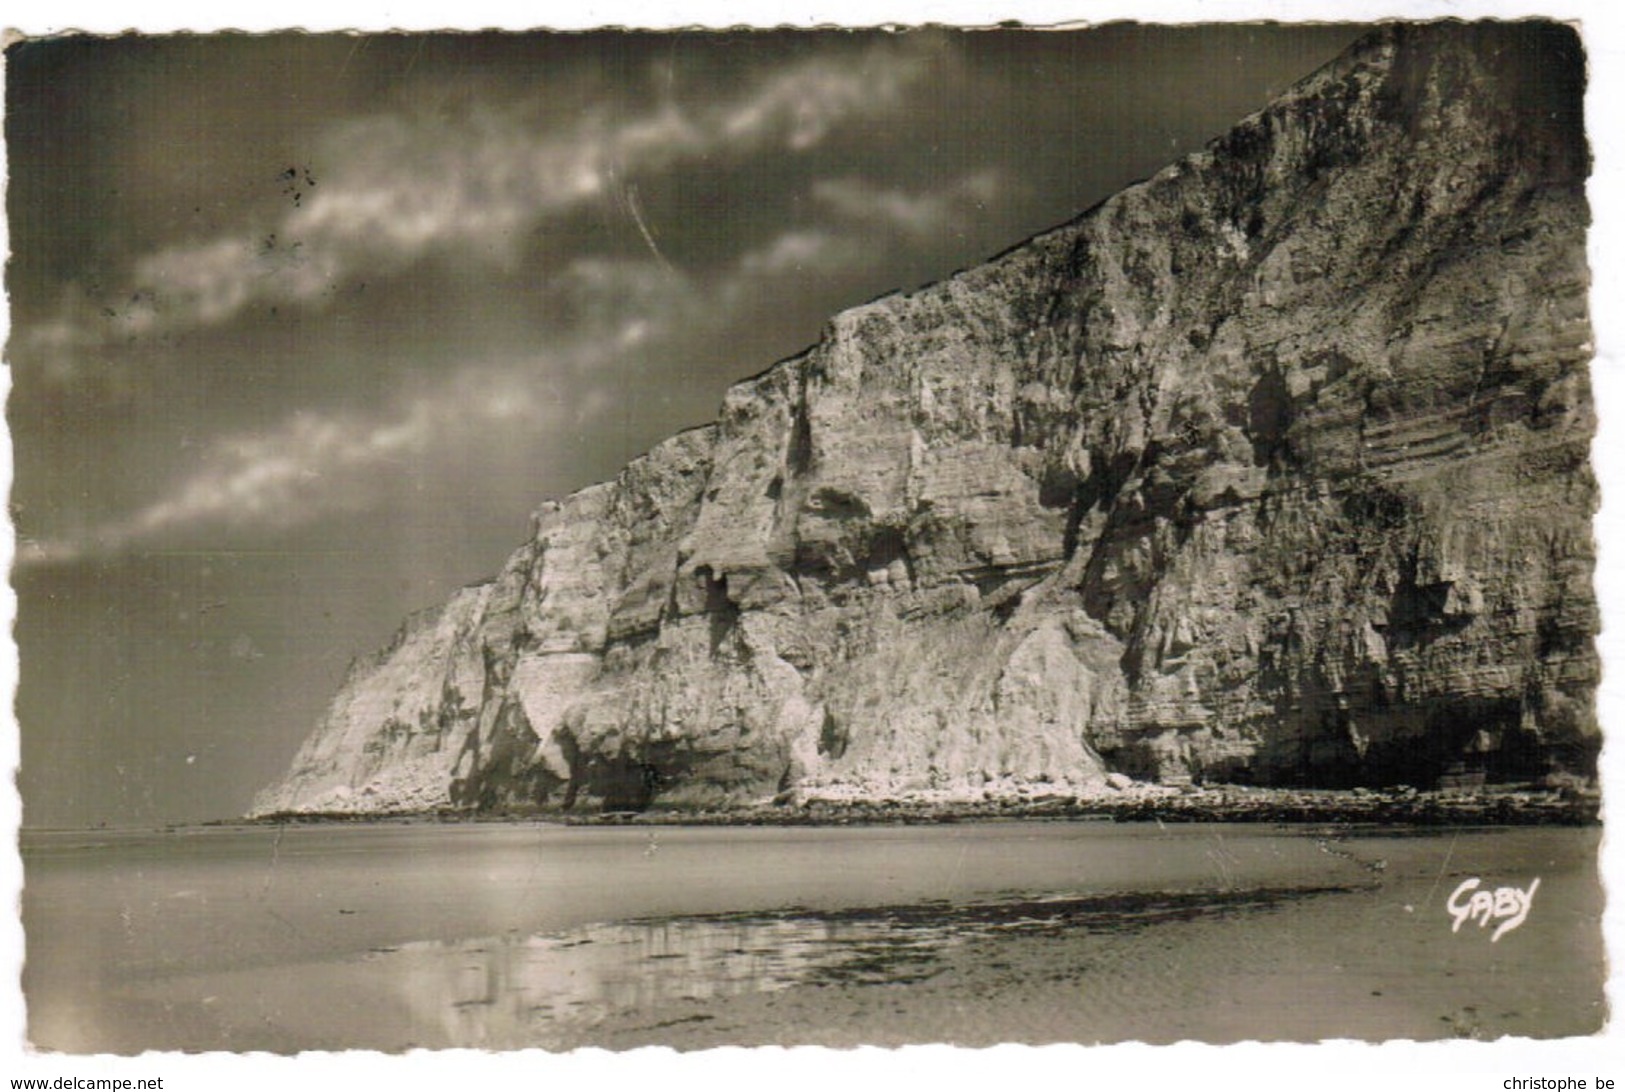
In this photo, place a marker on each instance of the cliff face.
(1272, 468)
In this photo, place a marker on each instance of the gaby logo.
(1507, 905)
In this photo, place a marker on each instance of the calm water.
(503, 936)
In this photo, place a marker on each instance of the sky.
(304, 327)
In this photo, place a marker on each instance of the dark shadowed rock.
(1271, 469)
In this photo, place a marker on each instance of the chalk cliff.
(1272, 468)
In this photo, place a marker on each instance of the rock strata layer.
(1271, 469)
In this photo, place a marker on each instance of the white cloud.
(600, 291)
(802, 105)
(206, 284)
(917, 216)
(308, 466)
(806, 251)
(312, 464)
(392, 189)
(867, 220)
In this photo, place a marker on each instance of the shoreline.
(1509, 805)
(411, 934)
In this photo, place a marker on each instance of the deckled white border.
(1342, 1067)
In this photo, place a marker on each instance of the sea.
(391, 936)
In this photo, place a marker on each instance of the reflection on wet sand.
(552, 989)
(335, 938)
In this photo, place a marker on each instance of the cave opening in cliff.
(628, 785)
(1462, 745)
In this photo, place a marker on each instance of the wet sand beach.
(505, 936)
